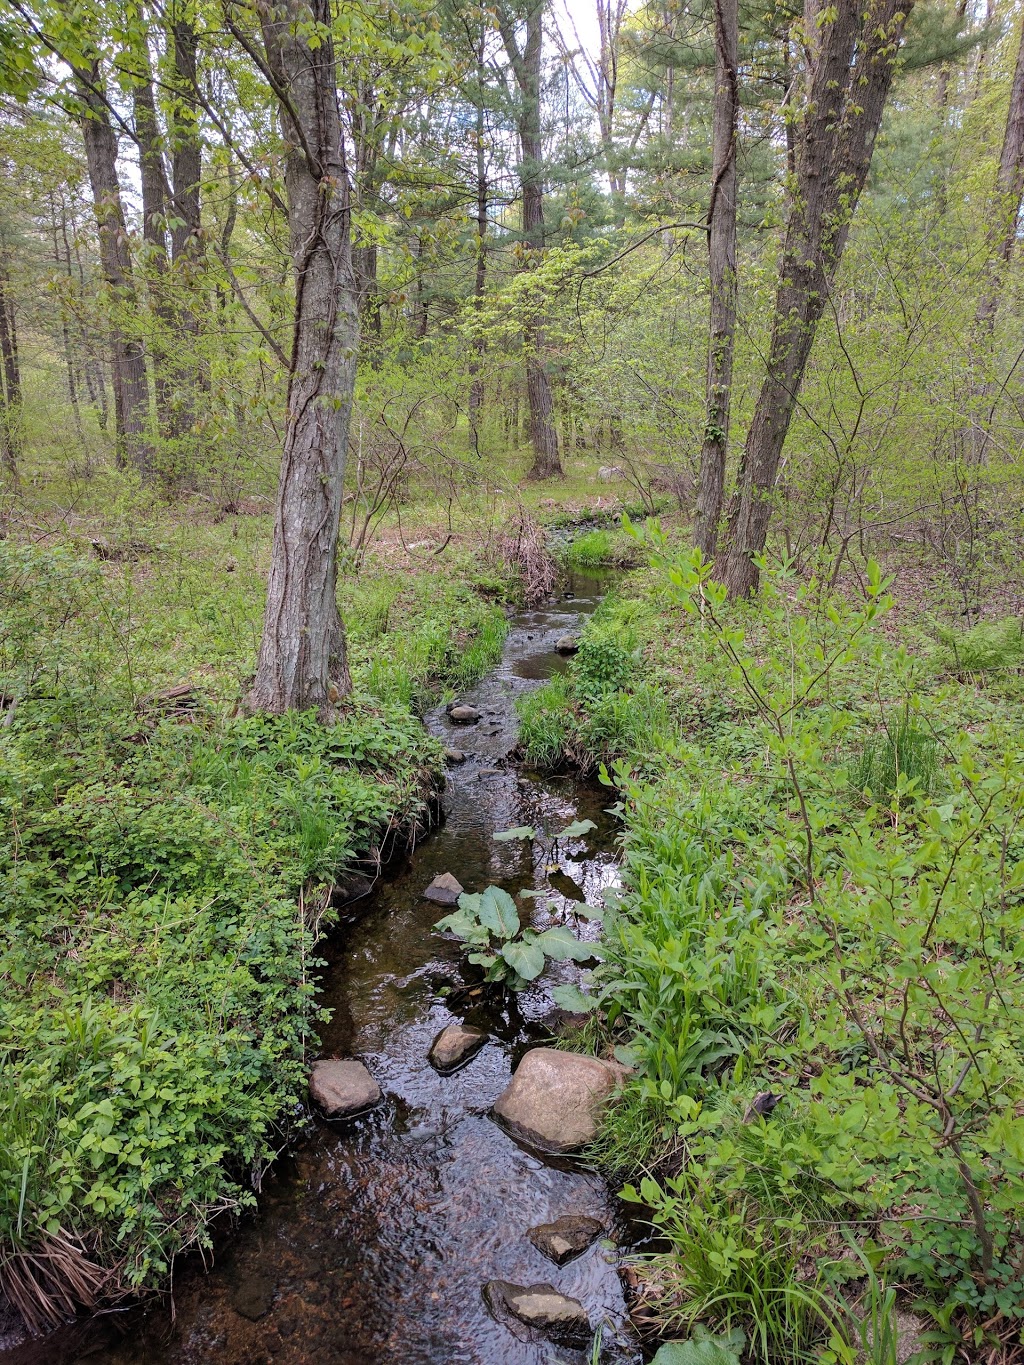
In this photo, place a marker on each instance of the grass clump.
(601, 548)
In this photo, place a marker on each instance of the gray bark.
(722, 274)
(302, 662)
(128, 361)
(10, 418)
(850, 75)
(526, 66)
(1002, 235)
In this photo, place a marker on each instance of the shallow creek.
(373, 1238)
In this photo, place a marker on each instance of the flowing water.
(373, 1238)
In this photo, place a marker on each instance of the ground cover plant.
(814, 966)
(164, 883)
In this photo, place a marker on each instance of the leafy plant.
(509, 953)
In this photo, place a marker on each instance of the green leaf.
(498, 912)
(460, 923)
(562, 944)
(571, 998)
(526, 959)
(577, 829)
(523, 832)
(695, 1353)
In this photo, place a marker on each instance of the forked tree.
(302, 660)
(852, 48)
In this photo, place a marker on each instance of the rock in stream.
(554, 1100)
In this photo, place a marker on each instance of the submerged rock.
(554, 1100)
(443, 890)
(567, 644)
(342, 1087)
(540, 1307)
(455, 1045)
(462, 714)
(566, 1237)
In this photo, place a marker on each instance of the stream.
(373, 1238)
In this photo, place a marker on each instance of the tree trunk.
(850, 75)
(302, 659)
(155, 206)
(476, 385)
(128, 360)
(191, 373)
(526, 65)
(10, 418)
(1002, 234)
(722, 274)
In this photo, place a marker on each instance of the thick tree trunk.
(722, 274)
(850, 76)
(1002, 235)
(526, 65)
(191, 372)
(155, 210)
(476, 385)
(302, 661)
(128, 361)
(10, 417)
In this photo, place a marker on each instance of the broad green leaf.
(695, 1353)
(525, 958)
(577, 829)
(571, 998)
(498, 912)
(562, 944)
(460, 922)
(522, 832)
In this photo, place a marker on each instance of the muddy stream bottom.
(374, 1238)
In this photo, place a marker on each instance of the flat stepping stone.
(342, 1087)
(567, 1237)
(454, 1046)
(444, 890)
(540, 1307)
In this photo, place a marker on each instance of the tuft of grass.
(903, 757)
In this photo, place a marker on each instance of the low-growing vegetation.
(164, 881)
(814, 962)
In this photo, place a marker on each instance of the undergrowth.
(162, 884)
(812, 967)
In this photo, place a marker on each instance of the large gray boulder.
(554, 1100)
(463, 714)
(540, 1307)
(567, 644)
(341, 1087)
(454, 1045)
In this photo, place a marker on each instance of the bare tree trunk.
(1001, 237)
(722, 273)
(476, 386)
(526, 65)
(191, 373)
(128, 361)
(10, 418)
(155, 205)
(302, 661)
(850, 76)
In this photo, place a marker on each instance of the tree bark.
(850, 75)
(155, 205)
(722, 274)
(302, 661)
(191, 373)
(476, 385)
(526, 66)
(10, 418)
(1001, 237)
(128, 361)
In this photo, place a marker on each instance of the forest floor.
(794, 777)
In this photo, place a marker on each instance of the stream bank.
(374, 1238)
